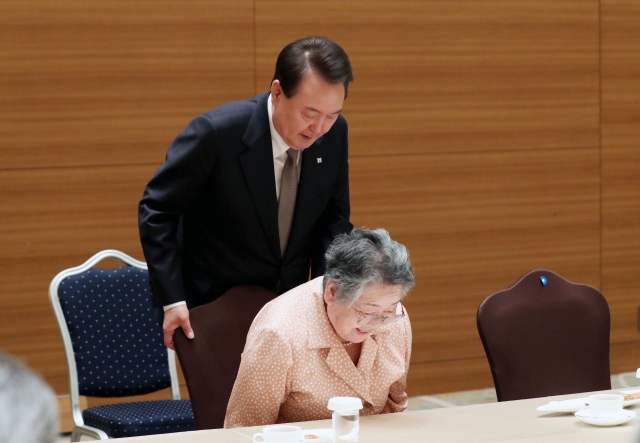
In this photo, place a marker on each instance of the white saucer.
(575, 404)
(324, 435)
(630, 391)
(618, 418)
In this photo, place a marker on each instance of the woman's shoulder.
(293, 302)
(286, 315)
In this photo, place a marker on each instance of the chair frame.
(80, 428)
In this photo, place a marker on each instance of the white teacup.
(278, 434)
(605, 405)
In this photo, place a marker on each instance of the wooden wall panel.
(53, 219)
(621, 240)
(436, 76)
(620, 73)
(474, 223)
(114, 81)
(621, 176)
(624, 356)
(449, 376)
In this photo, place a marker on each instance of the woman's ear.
(330, 292)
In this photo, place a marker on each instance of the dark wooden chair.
(210, 361)
(546, 336)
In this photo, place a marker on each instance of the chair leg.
(89, 431)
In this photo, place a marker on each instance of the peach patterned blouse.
(293, 363)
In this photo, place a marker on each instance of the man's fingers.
(182, 320)
(186, 328)
(175, 318)
(168, 339)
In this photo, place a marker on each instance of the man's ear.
(276, 92)
(330, 292)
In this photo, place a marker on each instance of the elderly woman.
(344, 334)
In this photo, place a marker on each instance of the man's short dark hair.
(318, 54)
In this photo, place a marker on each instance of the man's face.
(309, 114)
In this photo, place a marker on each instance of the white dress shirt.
(279, 148)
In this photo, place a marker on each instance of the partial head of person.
(28, 405)
(308, 89)
(367, 275)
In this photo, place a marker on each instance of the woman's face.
(377, 299)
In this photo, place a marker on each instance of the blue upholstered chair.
(114, 348)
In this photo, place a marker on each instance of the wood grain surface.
(621, 167)
(436, 76)
(113, 81)
(448, 376)
(621, 238)
(620, 72)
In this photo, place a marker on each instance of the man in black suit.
(252, 192)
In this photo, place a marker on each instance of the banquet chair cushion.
(546, 336)
(141, 418)
(210, 360)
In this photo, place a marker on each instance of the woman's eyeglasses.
(375, 319)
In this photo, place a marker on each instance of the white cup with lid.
(345, 418)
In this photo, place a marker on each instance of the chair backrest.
(210, 360)
(113, 343)
(546, 336)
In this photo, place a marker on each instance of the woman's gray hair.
(366, 256)
(29, 407)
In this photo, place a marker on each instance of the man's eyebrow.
(318, 111)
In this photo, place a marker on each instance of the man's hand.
(175, 318)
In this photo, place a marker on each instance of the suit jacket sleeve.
(335, 219)
(176, 183)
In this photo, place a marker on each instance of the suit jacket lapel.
(257, 165)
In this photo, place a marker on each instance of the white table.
(515, 421)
